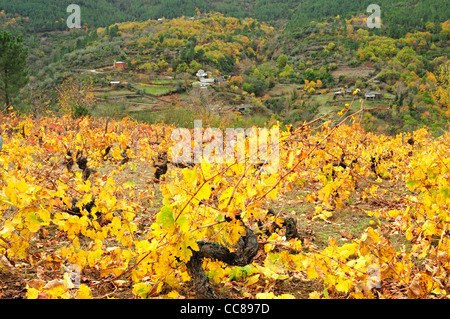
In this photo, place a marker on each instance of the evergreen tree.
(13, 66)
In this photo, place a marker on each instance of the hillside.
(398, 17)
(161, 57)
(49, 15)
(257, 64)
(403, 69)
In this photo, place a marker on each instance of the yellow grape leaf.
(142, 289)
(32, 293)
(45, 216)
(184, 224)
(84, 292)
(238, 169)
(206, 169)
(32, 222)
(311, 272)
(370, 237)
(165, 218)
(79, 137)
(251, 191)
(269, 273)
(189, 176)
(86, 198)
(344, 285)
(257, 211)
(8, 227)
(311, 198)
(296, 244)
(429, 228)
(265, 295)
(252, 280)
(268, 247)
(204, 192)
(285, 296)
(364, 249)
(235, 231)
(56, 289)
(314, 295)
(271, 295)
(19, 247)
(409, 234)
(94, 256)
(317, 210)
(290, 159)
(185, 246)
(174, 295)
(374, 236)
(274, 237)
(84, 187)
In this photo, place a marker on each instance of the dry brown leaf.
(36, 284)
(415, 287)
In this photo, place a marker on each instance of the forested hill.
(291, 67)
(398, 17)
(48, 15)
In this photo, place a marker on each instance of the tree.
(310, 87)
(287, 71)
(13, 66)
(256, 83)
(331, 46)
(441, 94)
(282, 61)
(75, 98)
(113, 31)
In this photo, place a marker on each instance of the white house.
(201, 74)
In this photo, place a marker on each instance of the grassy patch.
(154, 89)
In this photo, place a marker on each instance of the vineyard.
(103, 196)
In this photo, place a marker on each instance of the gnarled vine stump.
(247, 248)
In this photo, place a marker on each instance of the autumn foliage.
(40, 233)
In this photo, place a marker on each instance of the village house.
(120, 65)
(348, 91)
(373, 95)
(201, 74)
(203, 80)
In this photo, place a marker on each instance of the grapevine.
(67, 199)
